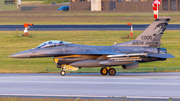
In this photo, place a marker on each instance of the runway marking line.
(93, 96)
(64, 82)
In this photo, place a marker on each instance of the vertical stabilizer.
(150, 36)
(155, 31)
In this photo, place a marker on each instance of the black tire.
(112, 72)
(63, 73)
(103, 71)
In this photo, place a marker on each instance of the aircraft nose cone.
(23, 54)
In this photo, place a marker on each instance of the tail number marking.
(146, 37)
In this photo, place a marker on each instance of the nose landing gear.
(62, 72)
(67, 67)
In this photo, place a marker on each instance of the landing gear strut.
(105, 70)
(62, 69)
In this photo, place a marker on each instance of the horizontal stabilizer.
(161, 55)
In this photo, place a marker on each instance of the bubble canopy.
(53, 43)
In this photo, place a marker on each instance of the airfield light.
(17, 32)
(47, 69)
(155, 68)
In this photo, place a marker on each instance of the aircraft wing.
(80, 53)
(129, 61)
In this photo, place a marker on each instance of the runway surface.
(81, 27)
(123, 85)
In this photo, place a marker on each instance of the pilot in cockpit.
(61, 42)
(53, 43)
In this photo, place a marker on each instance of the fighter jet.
(145, 48)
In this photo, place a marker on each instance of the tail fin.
(150, 36)
(155, 30)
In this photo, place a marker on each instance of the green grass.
(32, 0)
(11, 44)
(80, 17)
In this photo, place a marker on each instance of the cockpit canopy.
(53, 43)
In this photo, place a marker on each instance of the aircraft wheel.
(63, 73)
(112, 71)
(103, 71)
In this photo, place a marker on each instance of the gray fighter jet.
(145, 48)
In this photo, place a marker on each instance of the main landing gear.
(105, 70)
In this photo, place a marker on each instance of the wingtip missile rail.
(128, 55)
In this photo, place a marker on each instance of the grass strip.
(36, 16)
(58, 99)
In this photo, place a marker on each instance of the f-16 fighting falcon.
(145, 48)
